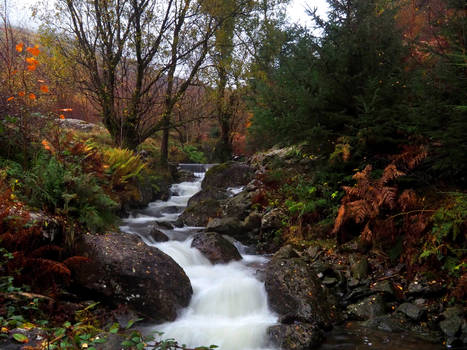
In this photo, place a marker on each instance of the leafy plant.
(364, 204)
(123, 165)
(447, 241)
(193, 154)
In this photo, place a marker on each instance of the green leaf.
(21, 338)
(114, 328)
(100, 340)
(132, 322)
(127, 343)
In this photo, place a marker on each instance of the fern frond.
(390, 173)
(408, 200)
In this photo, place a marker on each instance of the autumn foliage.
(36, 261)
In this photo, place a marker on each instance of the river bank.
(290, 300)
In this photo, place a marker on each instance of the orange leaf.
(34, 50)
(61, 116)
(31, 68)
(46, 145)
(66, 109)
(32, 61)
(32, 96)
(19, 47)
(14, 72)
(10, 98)
(44, 88)
(21, 93)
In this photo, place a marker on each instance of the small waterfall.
(229, 305)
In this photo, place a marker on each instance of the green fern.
(123, 164)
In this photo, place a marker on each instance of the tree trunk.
(165, 139)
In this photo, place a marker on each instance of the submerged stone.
(215, 247)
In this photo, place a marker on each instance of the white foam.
(229, 305)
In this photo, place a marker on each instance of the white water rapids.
(229, 305)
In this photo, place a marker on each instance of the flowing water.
(229, 304)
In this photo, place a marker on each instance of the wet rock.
(296, 336)
(203, 206)
(387, 323)
(353, 282)
(294, 292)
(171, 209)
(453, 311)
(420, 301)
(185, 175)
(238, 206)
(252, 221)
(367, 308)
(230, 174)
(322, 267)
(157, 235)
(463, 337)
(451, 326)
(424, 288)
(200, 213)
(329, 281)
(227, 226)
(384, 287)
(312, 252)
(147, 191)
(215, 247)
(122, 269)
(164, 224)
(412, 311)
(357, 293)
(272, 220)
(253, 185)
(286, 252)
(359, 269)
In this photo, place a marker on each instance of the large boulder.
(296, 336)
(122, 269)
(203, 206)
(238, 206)
(238, 220)
(213, 201)
(295, 293)
(227, 226)
(147, 189)
(230, 174)
(215, 247)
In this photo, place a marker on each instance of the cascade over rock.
(208, 203)
(121, 267)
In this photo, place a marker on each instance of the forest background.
(374, 94)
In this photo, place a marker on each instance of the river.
(229, 303)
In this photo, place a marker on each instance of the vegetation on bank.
(374, 108)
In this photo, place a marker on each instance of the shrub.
(447, 238)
